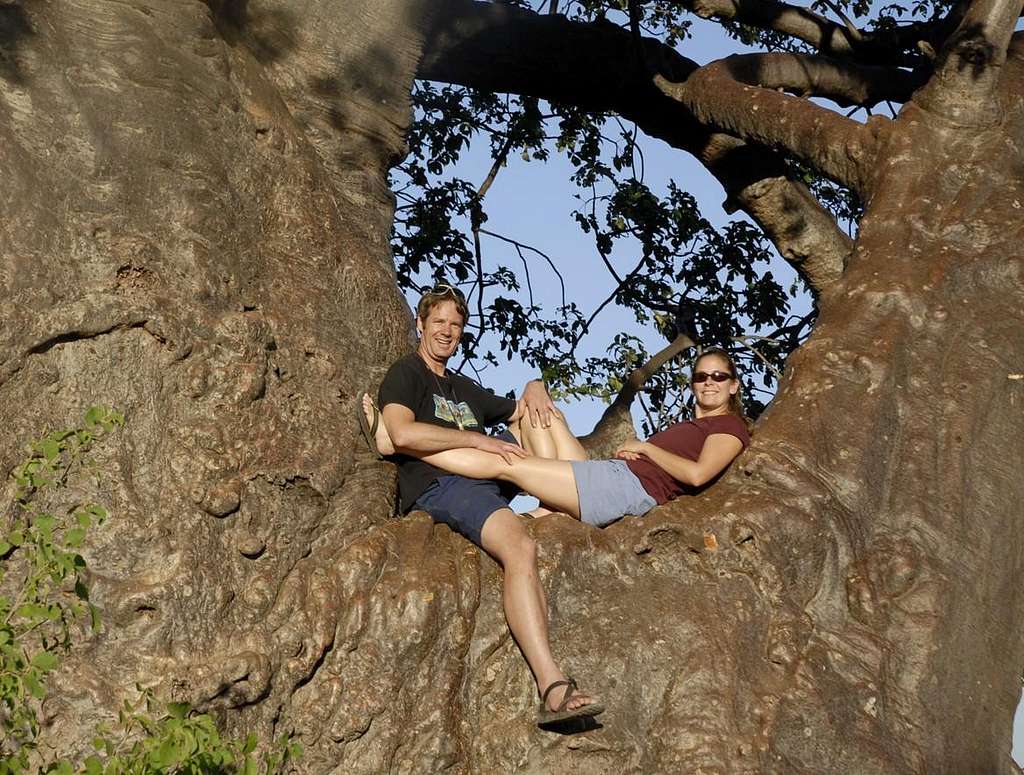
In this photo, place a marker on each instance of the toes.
(577, 700)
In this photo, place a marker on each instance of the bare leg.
(526, 607)
(551, 481)
(555, 442)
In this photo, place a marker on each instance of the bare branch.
(621, 284)
(855, 34)
(964, 84)
(840, 148)
(791, 20)
(476, 217)
(841, 82)
(746, 341)
(519, 246)
(887, 46)
(506, 49)
(804, 232)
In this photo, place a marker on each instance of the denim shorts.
(608, 490)
(465, 504)
(462, 504)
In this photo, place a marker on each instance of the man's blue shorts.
(465, 504)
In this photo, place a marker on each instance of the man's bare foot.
(381, 435)
(577, 700)
(562, 700)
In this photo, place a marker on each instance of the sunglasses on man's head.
(443, 289)
(717, 376)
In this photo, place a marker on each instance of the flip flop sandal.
(545, 716)
(367, 429)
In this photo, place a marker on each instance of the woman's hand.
(633, 449)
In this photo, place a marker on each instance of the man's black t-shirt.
(439, 401)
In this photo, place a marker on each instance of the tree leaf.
(50, 449)
(178, 710)
(74, 537)
(34, 685)
(45, 660)
(250, 744)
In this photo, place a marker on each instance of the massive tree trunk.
(195, 231)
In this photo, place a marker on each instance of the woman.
(644, 474)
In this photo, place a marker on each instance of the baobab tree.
(196, 229)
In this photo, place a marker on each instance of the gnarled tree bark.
(195, 230)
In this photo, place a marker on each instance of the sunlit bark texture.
(195, 230)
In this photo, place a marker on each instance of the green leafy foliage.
(663, 19)
(41, 546)
(40, 563)
(172, 738)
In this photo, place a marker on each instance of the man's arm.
(719, 450)
(421, 438)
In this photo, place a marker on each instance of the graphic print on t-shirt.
(463, 416)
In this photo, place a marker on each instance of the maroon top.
(685, 439)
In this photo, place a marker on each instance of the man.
(427, 409)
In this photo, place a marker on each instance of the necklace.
(451, 405)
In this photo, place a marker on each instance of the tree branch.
(964, 84)
(855, 34)
(717, 96)
(506, 49)
(616, 424)
(805, 234)
(477, 218)
(842, 82)
(791, 20)
(893, 46)
(519, 246)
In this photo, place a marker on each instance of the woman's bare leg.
(556, 442)
(551, 481)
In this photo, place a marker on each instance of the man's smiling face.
(440, 332)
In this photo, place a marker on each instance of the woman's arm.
(719, 450)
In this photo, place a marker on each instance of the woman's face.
(712, 397)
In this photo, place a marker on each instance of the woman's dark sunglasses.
(443, 289)
(704, 376)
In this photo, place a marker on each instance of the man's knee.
(522, 548)
(506, 537)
